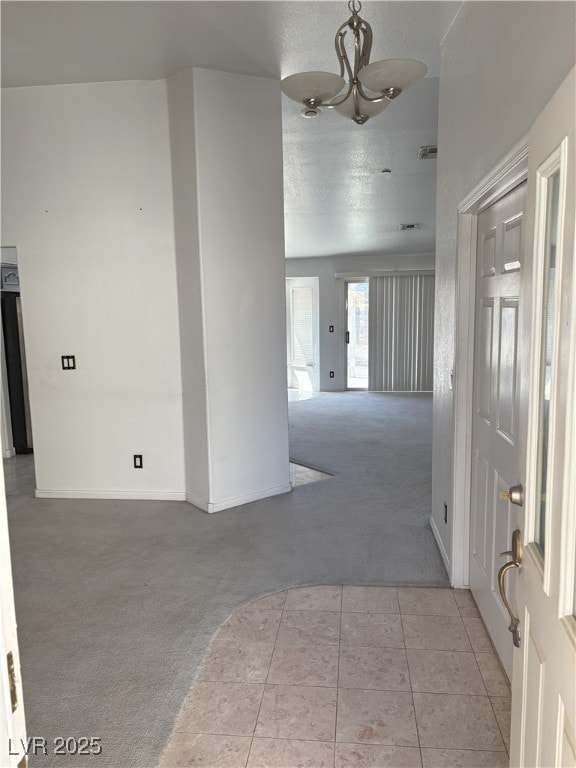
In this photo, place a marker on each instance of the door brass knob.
(515, 495)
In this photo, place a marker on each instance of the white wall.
(332, 357)
(87, 200)
(501, 63)
(237, 259)
(194, 395)
(239, 164)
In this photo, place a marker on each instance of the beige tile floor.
(335, 677)
(301, 475)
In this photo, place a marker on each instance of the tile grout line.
(466, 630)
(338, 672)
(499, 726)
(479, 671)
(492, 648)
(358, 688)
(411, 689)
(206, 655)
(502, 670)
(426, 693)
(481, 675)
(445, 650)
(266, 680)
(490, 697)
(318, 741)
(284, 612)
(475, 659)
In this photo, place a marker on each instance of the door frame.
(504, 177)
(345, 345)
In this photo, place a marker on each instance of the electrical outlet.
(446, 513)
(138, 464)
(331, 374)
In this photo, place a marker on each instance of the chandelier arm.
(357, 53)
(340, 100)
(375, 100)
(356, 101)
(367, 46)
(339, 57)
(353, 54)
(339, 45)
(343, 55)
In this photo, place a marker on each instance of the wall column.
(226, 143)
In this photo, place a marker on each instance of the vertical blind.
(401, 333)
(302, 308)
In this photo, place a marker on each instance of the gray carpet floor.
(117, 600)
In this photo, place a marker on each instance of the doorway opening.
(16, 428)
(302, 333)
(357, 325)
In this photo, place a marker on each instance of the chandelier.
(371, 87)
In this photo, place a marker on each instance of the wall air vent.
(428, 153)
(409, 226)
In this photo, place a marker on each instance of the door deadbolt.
(515, 495)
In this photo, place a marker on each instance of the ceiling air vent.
(409, 226)
(428, 152)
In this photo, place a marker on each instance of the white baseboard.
(201, 504)
(218, 506)
(136, 495)
(8, 453)
(237, 501)
(441, 547)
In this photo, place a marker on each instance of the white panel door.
(495, 445)
(543, 592)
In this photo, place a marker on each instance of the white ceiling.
(336, 198)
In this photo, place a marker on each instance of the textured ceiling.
(336, 199)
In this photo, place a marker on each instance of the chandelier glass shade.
(325, 85)
(369, 87)
(402, 72)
